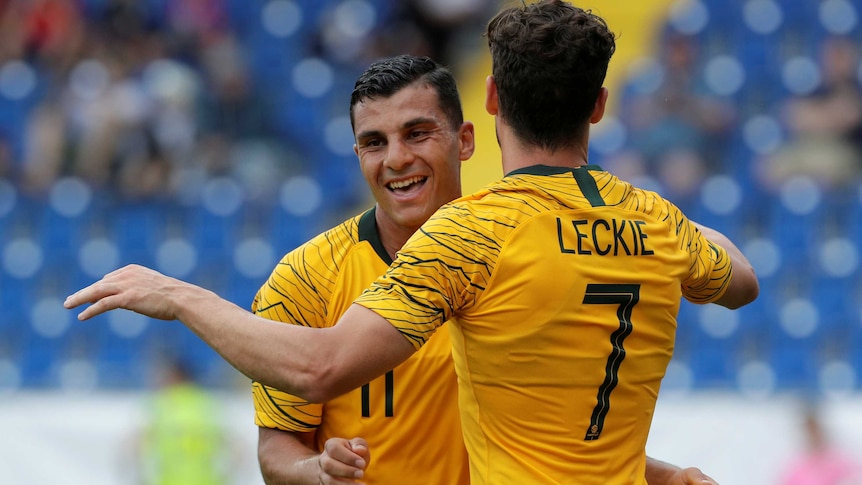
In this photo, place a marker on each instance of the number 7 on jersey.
(625, 297)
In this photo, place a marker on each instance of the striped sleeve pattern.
(280, 410)
(711, 269)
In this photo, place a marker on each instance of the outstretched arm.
(661, 473)
(287, 459)
(744, 287)
(315, 364)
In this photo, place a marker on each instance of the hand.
(343, 460)
(134, 288)
(691, 476)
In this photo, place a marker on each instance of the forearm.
(659, 472)
(286, 459)
(316, 364)
(286, 357)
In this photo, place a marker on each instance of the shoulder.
(331, 243)
(301, 284)
(622, 194)
(322, 255)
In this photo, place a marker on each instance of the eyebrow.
(409, 124)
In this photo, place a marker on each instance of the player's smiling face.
(410, 154)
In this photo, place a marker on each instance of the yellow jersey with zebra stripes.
(409, 416)
(561, 287)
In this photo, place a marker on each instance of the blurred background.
(206, 138)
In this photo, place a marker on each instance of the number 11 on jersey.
(389, 397)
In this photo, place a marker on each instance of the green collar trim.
(368, 232)
(585, 181)
(549, 170)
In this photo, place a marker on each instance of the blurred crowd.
(677, 128)
(127, 97)
(682, 126)
(825, 125)
(149, 98)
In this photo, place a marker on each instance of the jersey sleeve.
(279, 410)
(440, 271)
(297, 292)
(711, 268)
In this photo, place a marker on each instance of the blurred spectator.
(443, 30)
(192, 24)
(231, 108)
(7, 162)
(825, 140)
(46, 32)
(821, 462)
(677, 128)
(111, 126)
(183, 441)
(125, 21)
(436, 27)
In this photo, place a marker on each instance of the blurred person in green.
(183, 441)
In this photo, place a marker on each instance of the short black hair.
(387, 76)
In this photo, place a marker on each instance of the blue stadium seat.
(213, 235)
(836, 301)
(713, 367)
(795, 364)
(138, 228)
(121, 362)
(37, 366)
(795, 233)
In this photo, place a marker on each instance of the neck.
(516, 154)
(393, 236)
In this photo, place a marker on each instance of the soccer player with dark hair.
(411, 138)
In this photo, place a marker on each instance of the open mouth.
(406, 185)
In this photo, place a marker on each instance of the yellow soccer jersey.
(563, 288)
(409, 416)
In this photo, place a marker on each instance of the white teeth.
(404, 183)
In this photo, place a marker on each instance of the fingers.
(360, 447)
(102, 305)
(102, 294)
(96, 291)
(340, 460)
(98, 295)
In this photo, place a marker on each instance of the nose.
(398, 156)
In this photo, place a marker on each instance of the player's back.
(561, 352)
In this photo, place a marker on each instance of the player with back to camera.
(561, 283)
